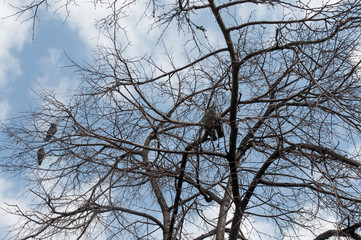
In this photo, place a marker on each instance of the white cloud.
(321, 3)
(13, 35)
(134, 27)
(10, 196)
(9, 66)
(82, 19)
(51, 75)
(5, 108)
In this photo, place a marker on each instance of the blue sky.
(26, 64)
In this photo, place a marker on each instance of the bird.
(219, 129)
(212, 123)
(41, 155)
(51, 132)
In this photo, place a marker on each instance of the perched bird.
(41, 155)
(51, 132)
(219, 129)
(212, 122)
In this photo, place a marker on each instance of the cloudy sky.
(26, 63)
(34, 58)
(31, 59)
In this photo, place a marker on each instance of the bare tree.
(130, 158)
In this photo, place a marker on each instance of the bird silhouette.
(51, 132)
(219, 128)
(41, 155)
(212, 123)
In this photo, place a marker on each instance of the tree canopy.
(131, 157)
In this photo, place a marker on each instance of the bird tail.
(220, 131)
